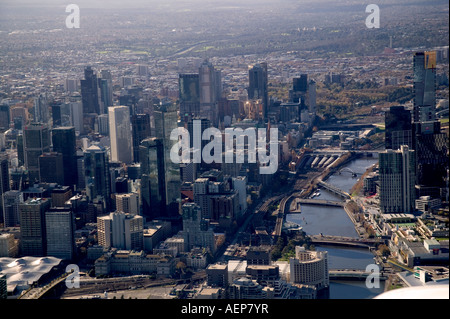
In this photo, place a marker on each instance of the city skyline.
(228, 150)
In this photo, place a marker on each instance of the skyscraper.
(11, 201)
(257, 89)
(209, 85)
(60, 230)
(36, 141)
(431, 146)
(397, 180)
(140, 126)
(51, 168)
(41, 113)
(153, 191)
(64, 142)
(303, 92)
(189, 90)
(89, 92)
(166, 119)
(106, 90)
(32, 226)
(90, 100)
(96, 173)
(424, 86)
(120, 134)
(4, 179)
(5, 117)
(398, 128)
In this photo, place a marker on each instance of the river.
(334, 221)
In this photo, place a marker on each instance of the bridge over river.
(344, 274)
(345, 241)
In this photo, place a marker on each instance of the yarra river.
(334, 221)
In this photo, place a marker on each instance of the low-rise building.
(134, 263)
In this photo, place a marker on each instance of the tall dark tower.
(140, 126)
(166, 119)
(4, 180)
(189, 88)
(64, 142)
(36, 141)
(96, 173)
(258, 79)
(398, 125)
(4, 117)
(89, 92)
(153, 191)
(424, 86)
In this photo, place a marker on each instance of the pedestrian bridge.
(323, 202)
(334, 190)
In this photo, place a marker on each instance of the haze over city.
(346, 109)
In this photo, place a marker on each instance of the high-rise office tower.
(257, 89)
(90, 100)
(431, 146)
(71, 85)
(189, 93)
(153, 190)
(198, 125)
(5, 117)
(122, 231)
(51, 168)
(303, 92)
(89, 92)
(64, 142)
(11, 200)
(209, 85)
(140, 126)
(96, 173)
(32, 226)
(36, 141)
(41, 113)
(56, 107)
(4, 179)
(120, 134)
(424, 86)
(166, 119)
(76, 116)
(60, 230)
(398, 124)
(106, 90)
(397, 180)
(103, 124)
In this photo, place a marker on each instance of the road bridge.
(345, 241)
(343, 274)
